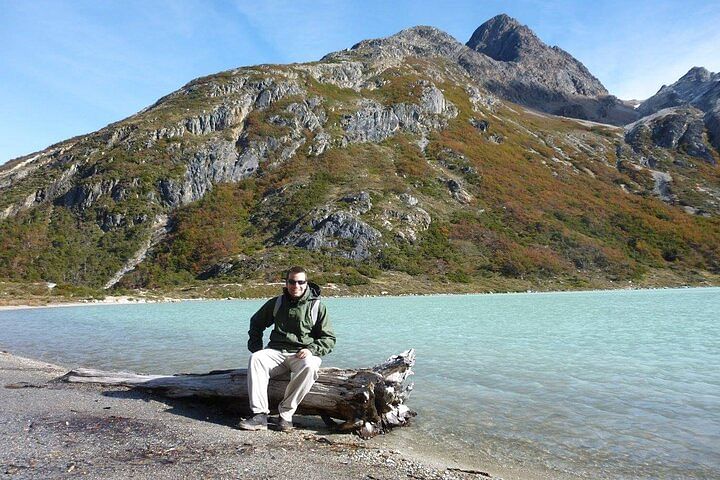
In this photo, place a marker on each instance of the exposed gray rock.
(297, 117)
(342, 74)
(320, 144)
(248, 94)
(340, 231)
(712, 123)
(433, 101)
(406, 220)
(15, 170)
(698, 88)
(503, 58)
(307, 114)
(480, 99)
(121, 189)
(371, 123)
(422, 143)
(358, 203)
(456, 162)
(111, 221)
(290, 148)
(166, 132)
(242, 90)
(374, 122)
(232, 86)
(240, 265)
(118, 135)
(82, 196)
(678, 128)
(270, 91)
(457, 191)
(216, 162)
(662, 186)
(417, 41)
(408, 199)
(21, 167)
(48, 193)
(12, 210)
(220, 160)
(219, 119)
(481, 125)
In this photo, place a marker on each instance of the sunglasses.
(296, 282)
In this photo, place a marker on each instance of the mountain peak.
(423, 41)
(425, 36)
(697, 74)
(549, 73)
(503, 38)
(503, 19)
(699, 88)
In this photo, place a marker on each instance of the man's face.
(296, 284)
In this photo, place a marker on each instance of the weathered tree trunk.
(368, 400)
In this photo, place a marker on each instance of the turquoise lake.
(615, 384)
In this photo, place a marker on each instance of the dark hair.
(294, 270)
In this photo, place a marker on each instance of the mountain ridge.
(394, 157)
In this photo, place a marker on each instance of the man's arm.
(262, 319)
(323, 334)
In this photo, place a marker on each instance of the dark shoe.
(284, 425)
(256, 422)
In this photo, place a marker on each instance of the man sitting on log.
(301, 335)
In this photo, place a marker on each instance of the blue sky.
(69, 67)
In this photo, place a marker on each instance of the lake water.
(617, 384)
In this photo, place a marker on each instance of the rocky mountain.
(503, 39)
(510, 61)
(700, 89)
(399, 158)
(547, 78)
(676, 128)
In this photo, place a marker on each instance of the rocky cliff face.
(678, 128)
(399, 153)
(698, 88)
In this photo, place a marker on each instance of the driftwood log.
(368, 401)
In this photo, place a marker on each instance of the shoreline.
(50, 430)
(139, 300)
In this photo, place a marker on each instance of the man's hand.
(303, 353)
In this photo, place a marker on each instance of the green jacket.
(294, 329)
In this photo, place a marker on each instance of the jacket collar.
(311, 292)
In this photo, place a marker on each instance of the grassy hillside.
(527, 201)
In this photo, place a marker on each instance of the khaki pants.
(268, 363)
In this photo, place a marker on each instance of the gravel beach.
(56, 430)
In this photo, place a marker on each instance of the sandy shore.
(109, 300)
(57, 430)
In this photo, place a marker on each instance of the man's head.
(296, 282)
